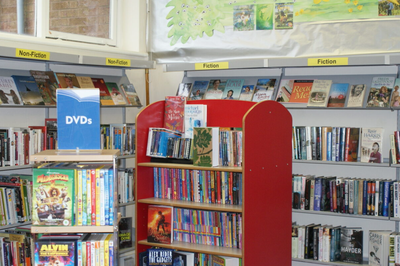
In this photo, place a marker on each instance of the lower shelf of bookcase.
(71, 229)
(214, 250)
(338, 263)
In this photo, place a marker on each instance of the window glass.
(9, 21)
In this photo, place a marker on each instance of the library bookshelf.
(266, 172)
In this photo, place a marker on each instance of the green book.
(206, 146)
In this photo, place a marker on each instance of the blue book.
(111, 196)
(317, 194)
(155, 181)
(232, 89)
(386, 198)
(78, 118)
(342, 146)
(365, 197)
(329, 146)
(28, 90)
(106, 198)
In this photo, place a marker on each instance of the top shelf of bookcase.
(73, 156)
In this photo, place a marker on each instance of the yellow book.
(98, 195)
(97, 250)
(79, 196)
(102, 249)
(107, 250)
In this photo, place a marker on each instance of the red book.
(105, 95)
(351, 150)
(301, 91)
(397, 145)
(160, 224)
(230, 188)
(93, 195)
(174, 113)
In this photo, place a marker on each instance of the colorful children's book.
(160, 224)
(233, 88)
(356, 95)
(198, 89)
(67, 80)
(47, 84)
(380, 92)
(105, 96)
(115, 93)
(55, 252)
(285, 90)
(301, 91)
(215, 89)
(247, 93)
(54, 196)
(319, 93)
(174, 113)
(9, 92)
(28, 90)
(338, 94)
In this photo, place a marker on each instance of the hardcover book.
(85, 82)
(78, 116)
(195, 116)
(174, 113)
(371, 145)
(54, 196)
(47, 84)
(351, 245)
(53, 252)
(285, 90)
(105, 96)
(160, 224)
(215, 89)
(206, 146)
(184, 89)
(198, 89)
(381, 89)
(115, 93)
(9, 92)
(319, 93)
(247, 93)
(338, 94)
(28, 90)
(131, 96)
(356, 95)
(232, 89)
(67, 80)
(352, 141)
(301, 91)
(378, 247)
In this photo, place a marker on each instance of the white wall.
(163, 83)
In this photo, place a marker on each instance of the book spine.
(93, 196)
(84, 197)
(386, 198)
(112, 199)
(106, 198)
(102, 198)
(89, 196)
(365, 196)
(79, 197)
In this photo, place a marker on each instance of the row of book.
(376, 197)
(40, 89)
(15, 199)
(16, 247)
(166, 224)
(198, 185)
(70, 194)
(79, 249)
(171, 257)
(126, 185)
(346, 144)
(118, 136)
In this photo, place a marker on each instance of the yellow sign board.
(337, 61)
(32, 54)
(118, 62)
(211, 66)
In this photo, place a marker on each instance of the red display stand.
(267, 179)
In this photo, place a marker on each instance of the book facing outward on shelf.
(105, 96)
(380, 92)
(285, 90)
(115, 93)
(184, 89)
(232, 89)
(130, 94)
(28, 90)
(351, 245)
(319, 93)
(301, 91)
(160, 224)
(85, 82)
(9, 94)
(55, 252)
(47, 84)
(378, 247)
(195, 116)
(356, 95)
(371, 145)
(338, 94)
(174, 113)
(206, 146)
(395, 97)
(67, 80)
(199, 88)
(247, 93)
(215, 89)
(160, 257)
(264, 90)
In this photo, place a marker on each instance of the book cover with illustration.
(264, 16)
(351, 245)
(301, 91)
(28, 90)
(356, 95)
(54, 196)
(233, 88)
(183, 89)
(174, 113)
(338, 94)
(115, 93)
(78, 117)
(198, 89)
(60, 252)
(161, 257)
(264, 90)
(125, 233)
(395, 98)
(47, 84)
(195, 116)
(215, 89)
(380, 92)
(378, 247)
(206, 146)
(130, 94)
(67, 80)
(9, 94)
(371, 145)
(284, 16)
(247, 93)
(85, 82)
(160, 223)
(105, 96)
(243, 18)
(285, 90)
(319, 93)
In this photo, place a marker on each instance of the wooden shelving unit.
(266, 179)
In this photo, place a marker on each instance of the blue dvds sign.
(78, 118)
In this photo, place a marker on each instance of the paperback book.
(338, 95)
(319, 93)
(67, 80)
(395, 98)
(47, 84)
(28, 90)
(160, 224)
(233, 88)
(206, 146)
(246, 93)
(351, 245)
(379, 94)
(285, 90)
(378, 247)
(301, 91)
(215, 89)
(264, 90)
(9, 92)
(85, 82)
(131, 96)
(356, 95)
(174, 113)
(115, 93)
(195, 116)
(199, 89)
(184, 89)
(105, 96)
(371, 145)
